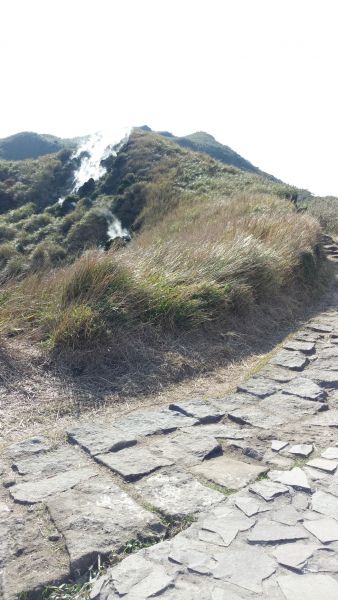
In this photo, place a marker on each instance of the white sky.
(259, 75)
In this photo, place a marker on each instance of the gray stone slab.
(27, 448)
(300, 346)
(301, 450)
(326, 530)
(229, 473)
(256, 417)
(150, 422)
(278, 374)
(188, 448)
(294, 555)
(309, 586)
(176, 493)
(225, 431)
(325, 504)
(295, 478)
(269, 532)
(324, 560)
(288, 407)
(259, 387)
(277, 445)
(97, 518)
(330, 453)
(319, 327)
(326, 419)
(304, 388)
(204, 412)
(223, 530)
(245, 567)
(322, 376)
(287, 515)
(323, 464)
(136, 578)
(133, 463)
(268, 490)
(328, 353)
(96, 439)
(295, 361)
(50, 463)
(31, 492)
(250, 506)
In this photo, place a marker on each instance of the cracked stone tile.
(323, 464)
(287, 515)
(188, 448)
(133, 463)
(295, 361)
(150, 422)
(315, 474)
(97, 439)
(300, 501)
(135, 578)
(285, 406)
(301, 450)
(324, 560)
(325, 504)
(330, 454)
(295, 478)
(269, 532)
(259, 387)
(304, 388)
(229, 473)
(96, 518)
(308, 586)
(302, 346)
(255, 416)
(31, 492)
(294, 555)
(279, 374)
(223, 530)
(325, 530)
(277, 445)
(27, 448)
(50, 463)
(250, 506)
(245, 567)
(322, 376)
(176, 493)
(268, 490)
(205, 412)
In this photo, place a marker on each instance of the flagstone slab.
(228, 472)
(295, 361)
(96, 439)
(176, 493)
(277, 445)
(250, 506)
(256, 417)
(324, 377)
(325, 560)
(31, 492)
(325, 504)
(323, 464)
(46, 464)
(326, 530)
(205, 412)
(286, 515)
(300, 346)
(295, 478)
(133, 463)
(223, 530)
(294, 555)
(301, 450)
(330, 453)
(268, 490)
(269, 532)
(309, 586)
(289, 407)
(151, 422)
(28, 448)
(304, 388)
(258, 386)
(319, 327)
(188, 448)
(97, 517)
(245, 567)
(225, 431)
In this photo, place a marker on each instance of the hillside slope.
(30, 145)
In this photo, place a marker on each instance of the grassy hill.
(27, 144)
(214, 248)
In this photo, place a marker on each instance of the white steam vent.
(96, 148)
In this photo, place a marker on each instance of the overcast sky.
(259, 75)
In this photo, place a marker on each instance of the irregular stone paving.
(228, 498)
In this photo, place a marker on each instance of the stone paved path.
(249, 481)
